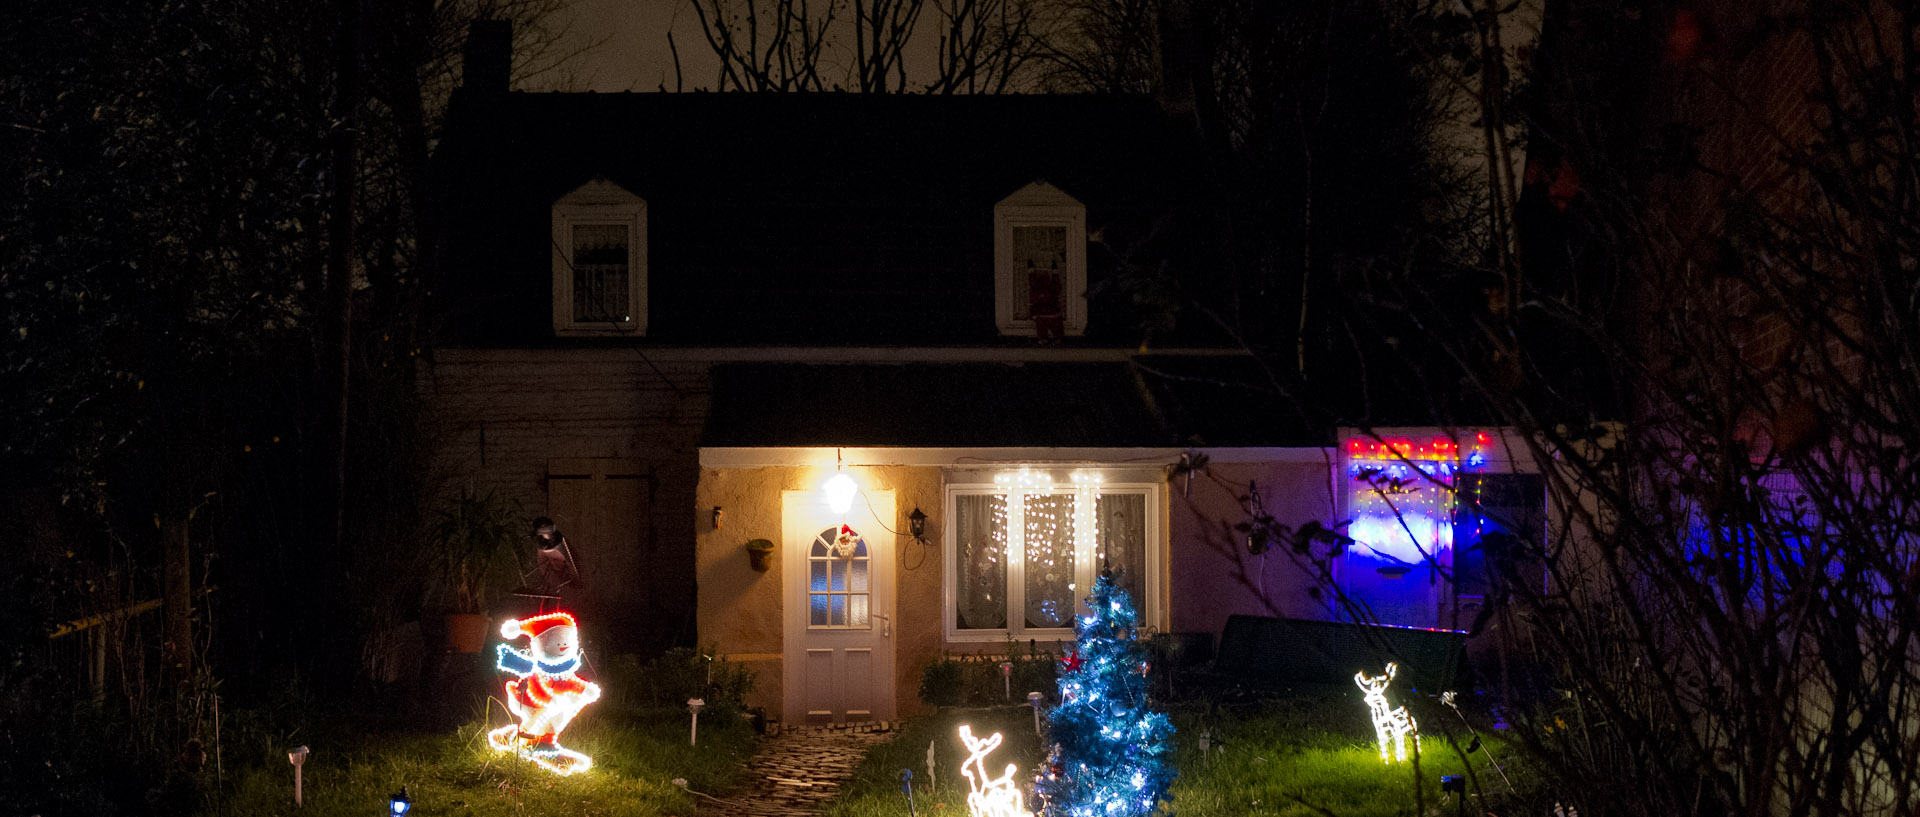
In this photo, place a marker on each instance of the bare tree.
(871, 46)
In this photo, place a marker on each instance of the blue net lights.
(1112, 754)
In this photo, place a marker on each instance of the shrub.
(973, 679)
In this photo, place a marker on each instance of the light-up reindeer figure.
(991, 796)
(1390, 726)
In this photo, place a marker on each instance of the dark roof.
(1146, 403)
(802, 219)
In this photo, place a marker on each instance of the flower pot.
(760, 554)
(466, 632)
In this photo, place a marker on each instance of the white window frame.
(1040, 205)
(1086, 564)
(599, 202)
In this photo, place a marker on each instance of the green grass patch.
(635, 755)
(1312, 754)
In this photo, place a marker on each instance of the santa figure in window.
(544, 693)
(1043, 303)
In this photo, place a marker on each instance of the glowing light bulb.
(840, 490)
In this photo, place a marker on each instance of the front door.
(838, 609)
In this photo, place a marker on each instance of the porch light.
(840, 490)
(917, 523)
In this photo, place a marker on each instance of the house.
(890, 335)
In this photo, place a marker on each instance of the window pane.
(839, 575)
(980, 589)
(1049, 560)
(1123, 542)
(859, 575)
(838, 610)
(1040, 250)
(817, 609)
(600, 273)
(819, 578)
(857, 612)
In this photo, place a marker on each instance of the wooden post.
(177, 575)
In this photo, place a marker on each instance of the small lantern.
(917, 524)
(1033, 700)
(398, 804)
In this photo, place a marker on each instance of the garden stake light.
(398, 804)
(1033, 700)
(1006, 678)
(297, 757)
(1448, 699)
(1390, 726)
(693, 734)
(906, 785)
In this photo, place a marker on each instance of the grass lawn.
(636, 755)
(1310, 754)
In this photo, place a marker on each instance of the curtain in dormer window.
(600, 273)
(1037, 251)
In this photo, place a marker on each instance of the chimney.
(488, 64)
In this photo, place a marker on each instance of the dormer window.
(599, 262)
(1040, 263)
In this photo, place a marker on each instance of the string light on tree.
(990, 796)
(1112, 753)
(544, 693)
(1390, 726)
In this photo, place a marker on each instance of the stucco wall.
(1213, 576)
(740, 609)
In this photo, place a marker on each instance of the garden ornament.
(1390, 726)
(544, 693)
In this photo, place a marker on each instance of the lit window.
(1025, 547)
(600, 262)
(1040, 263)
(838, 582)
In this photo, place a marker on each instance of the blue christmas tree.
(1112, 754)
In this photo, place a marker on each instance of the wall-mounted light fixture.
(716, 517)
(917, 525)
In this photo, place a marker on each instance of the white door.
(838, 609)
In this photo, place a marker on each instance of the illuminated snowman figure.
(544, 692)
(1390, 726)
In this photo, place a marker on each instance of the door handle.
(886, 624)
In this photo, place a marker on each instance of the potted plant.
(760, 554)
(474, 536)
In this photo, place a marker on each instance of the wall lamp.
(917, 524)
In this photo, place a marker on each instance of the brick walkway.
(800, 768)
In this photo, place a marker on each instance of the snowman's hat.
(532, 627)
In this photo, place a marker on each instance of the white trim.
(829, 354)
(999, 457)
(1040, 205)
(599, 202)
(1152, 610)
